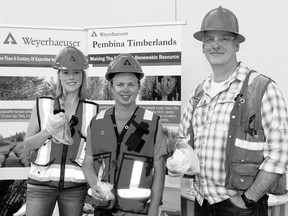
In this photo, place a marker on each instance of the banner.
(26, 58)
(158, 50)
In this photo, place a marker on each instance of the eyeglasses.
(73, 122)
(221, 40)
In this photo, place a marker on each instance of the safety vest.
(48, 159)
(246, 138)
(126, 159)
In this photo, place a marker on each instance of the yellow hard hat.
(70, 58)
(124, 63)
(220, 19)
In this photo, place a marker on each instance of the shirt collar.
(239, 74)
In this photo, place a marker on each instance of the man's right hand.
(96, 193)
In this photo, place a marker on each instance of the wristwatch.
(248, 202)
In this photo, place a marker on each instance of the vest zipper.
(62, 167)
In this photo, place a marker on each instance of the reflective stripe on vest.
(44, 173)
(89, 110)
(148, 115)
(131, 171)
(39, 170)
(244, 149)
(45, 107)
(134, 191)
(237, 177)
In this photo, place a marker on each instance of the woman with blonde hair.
(56, 135)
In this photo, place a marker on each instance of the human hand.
(106, 190)
(238, 201)
(96, 193)
(57, 126)
(102, 192)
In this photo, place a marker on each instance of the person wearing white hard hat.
(56, 136)
(237, 122)
(124, 161)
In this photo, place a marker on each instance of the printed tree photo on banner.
(25, 88)
(161, 88)
(29, 88)
(153, 88)
(13, 192)
(98, 89)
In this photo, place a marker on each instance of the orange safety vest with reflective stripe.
(246, 138)
(46, 164)
(242, 163)
(126, 159)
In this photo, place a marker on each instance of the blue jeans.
(227, 208)
(41, 200)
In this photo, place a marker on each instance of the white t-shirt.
(215, 88)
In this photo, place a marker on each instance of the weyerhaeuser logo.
(30, 41)
(109, 34)
(10, 39)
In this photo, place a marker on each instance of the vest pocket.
(134, 183)
(46, 172)
(243, 167)
(242, 175)
(102, 165)
(247, 152)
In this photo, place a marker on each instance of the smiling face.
(125, 88)
(71, 80)
(220, 48)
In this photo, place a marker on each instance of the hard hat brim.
(200, 35)
(124, 63)
(110, 76)
(70, 68)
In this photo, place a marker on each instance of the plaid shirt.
(210, 124)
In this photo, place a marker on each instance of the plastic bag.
(57, 125)
(183, 161)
